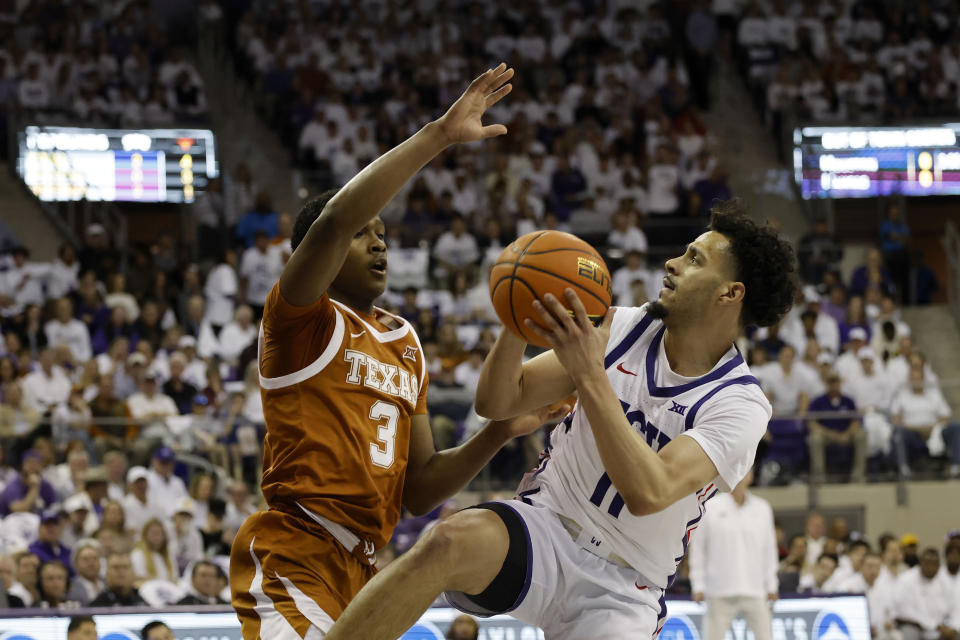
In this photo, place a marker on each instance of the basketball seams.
(516, 265)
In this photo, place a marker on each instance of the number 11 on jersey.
(603, 487)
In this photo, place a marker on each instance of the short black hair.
(765, 264)
(309, 212)
(78, 621)
(150, 626)
(203, 563)
(859, 543)
(832, 556)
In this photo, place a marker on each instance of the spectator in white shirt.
(634, 272)
(849, 566)
(152, 557)
(138, 505)
(467, 373)
(898, 368)
(237, 335)
(47, 386)
(733, 562)
(239, 506)
(919, 414)
(221, 291)
(22, 284)
(63, 272)
(33, 92)
(848, 364)
(624, 234)
(815, 538)
(878, 588)
(871, 389)
(67, 330)
(788, 385)
(151, 407)
(456, 249)
(260, 269)
(924, 600)
(165, 487)
(815, 581)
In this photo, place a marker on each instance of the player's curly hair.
(765, 262)
(310, 211)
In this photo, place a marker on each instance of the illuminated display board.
(124, 165)
(865, 162)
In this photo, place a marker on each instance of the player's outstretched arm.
(316, 262)
(509, 387)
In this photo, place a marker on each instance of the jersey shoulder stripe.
(315, 367)
(692, 413)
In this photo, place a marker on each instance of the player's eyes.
(693, 258)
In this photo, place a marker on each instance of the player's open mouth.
(379, 266)
(667, 284)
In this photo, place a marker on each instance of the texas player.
(344, 386)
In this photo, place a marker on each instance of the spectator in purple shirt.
(838, 437)
(871, 273)
(28, 491)
(567, 188)
(47, 546)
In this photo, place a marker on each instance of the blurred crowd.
(849, 62)
(106, 63)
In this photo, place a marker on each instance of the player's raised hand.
(578, 344)
(463, 120)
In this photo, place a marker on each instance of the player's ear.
(733, 292)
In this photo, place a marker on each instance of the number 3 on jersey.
(386, 433)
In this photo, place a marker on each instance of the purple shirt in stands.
(17, 490)
(46, 552)
(825, 403)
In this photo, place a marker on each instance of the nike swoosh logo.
(622, 370)
(357, 335)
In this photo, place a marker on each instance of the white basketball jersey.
(724, 411)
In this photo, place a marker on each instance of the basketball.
(544, 262)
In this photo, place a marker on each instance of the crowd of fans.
(849, 62)
(94, 63)
(911, 589)
(603, 121)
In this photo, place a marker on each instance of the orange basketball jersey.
(339, 388)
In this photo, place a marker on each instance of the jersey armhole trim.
(315, 367)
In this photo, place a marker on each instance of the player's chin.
(376, 283)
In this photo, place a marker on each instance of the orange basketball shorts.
(290, 579)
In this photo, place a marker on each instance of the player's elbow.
(645, 503)
(487, 407)
(418, 503)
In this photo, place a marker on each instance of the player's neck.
(363, 306)
(695, 350)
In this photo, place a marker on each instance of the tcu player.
(668, 414)
(344, 397)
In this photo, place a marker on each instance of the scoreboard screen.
(865, 162)
(128, 165)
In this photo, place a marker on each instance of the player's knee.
(465, 544)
